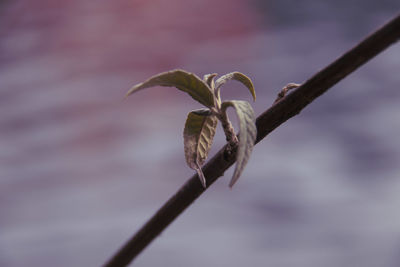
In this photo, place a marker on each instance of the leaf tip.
(126, 96)
(132, 90)
(233, 180)
(201, 176)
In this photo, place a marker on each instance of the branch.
(280, 112)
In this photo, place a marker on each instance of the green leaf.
(240, 77)
(248, 134)
(183, 80)
(198, 137)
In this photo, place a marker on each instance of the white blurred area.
(81, 169)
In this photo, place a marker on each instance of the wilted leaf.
(185, 81)
(238, 77)
(248, 134)
(198, 137)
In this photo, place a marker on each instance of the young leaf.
(248, 134)
(185, 81)
(240, 77)
(209, 79)
(198, 137)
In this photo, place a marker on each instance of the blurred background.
(81, 170)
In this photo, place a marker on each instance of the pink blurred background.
(81, 170)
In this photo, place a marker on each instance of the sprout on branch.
(201, 124)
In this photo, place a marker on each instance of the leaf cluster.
(201, 124)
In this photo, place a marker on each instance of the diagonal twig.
(280, 112)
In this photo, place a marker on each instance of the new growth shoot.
(201, 124)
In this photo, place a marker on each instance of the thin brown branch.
(280, 112)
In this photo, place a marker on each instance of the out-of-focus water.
(81, 170)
